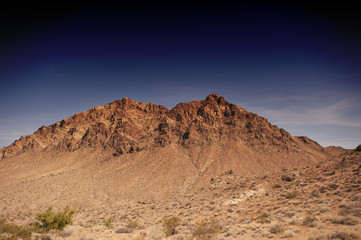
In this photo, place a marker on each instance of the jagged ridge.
(126, 126)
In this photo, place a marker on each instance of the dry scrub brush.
(206, 228)
(12, 231)
(51, 220)
(170, 225)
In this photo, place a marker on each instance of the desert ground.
(203, 170)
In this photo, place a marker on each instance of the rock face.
(136, 151)
(358, 148)
(126, 126)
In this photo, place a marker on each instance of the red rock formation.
(126, 126)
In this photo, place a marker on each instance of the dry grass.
(170, 225)
(108, 222)
(206, 228)
(309, 221)
(343, 236)
(132, 224)
(345, 221)
(291, 194)
(276, 229)
(13, 231)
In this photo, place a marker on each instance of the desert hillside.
(132, 150)
(144, 162)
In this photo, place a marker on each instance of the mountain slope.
(128, 150)
(127, 126)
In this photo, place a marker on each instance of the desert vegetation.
(309, 205)
(44, 222)
(206, 228)
(177, 175)
(55, 220)
(9, 231)
(170, 225)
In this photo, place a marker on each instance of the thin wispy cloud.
(328, 118)
(9, 134)
(310, 110)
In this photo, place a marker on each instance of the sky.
(296, 64)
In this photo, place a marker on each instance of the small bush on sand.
(345, 221)
(14, 231)
(51, 220)
(352, 209)
(290, 195)
(206, 228)
(170, 225)
(276, 229)
(132, 224)
(277, 186)
(108, 222)
(343, 236)
(309, 221)
(264, 218)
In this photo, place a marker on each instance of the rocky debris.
(124, 230)
(358, 148)
(288, 177)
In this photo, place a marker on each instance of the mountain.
(226, 173)
(126, 126)
(127, 150)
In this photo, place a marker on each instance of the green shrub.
(51, 220)
(14, 231)
(108, 222)
(295, 183)
(170, 225)
(34, 226)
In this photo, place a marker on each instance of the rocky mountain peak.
(131, 150)
(127, 126)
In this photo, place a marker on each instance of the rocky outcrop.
(358, 148)
(126, 126)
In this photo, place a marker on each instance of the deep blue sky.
(298, 65)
